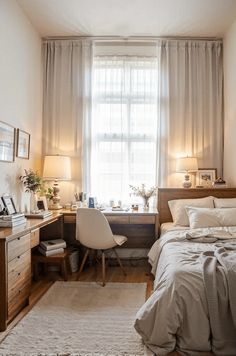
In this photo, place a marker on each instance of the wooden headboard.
(166, 194)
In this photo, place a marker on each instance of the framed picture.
(9, 204)
(23, 144)
(42, 203)
(2, 210)
(205, 177)
(7, 142)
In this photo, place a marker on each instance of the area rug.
(80, 318)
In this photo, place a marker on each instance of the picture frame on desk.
(7, 142)
(23, 144)
(9, 204)
(2, 208)
(205, 177)
(42, 203)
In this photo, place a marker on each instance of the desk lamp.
(56, 168)
(187, 165)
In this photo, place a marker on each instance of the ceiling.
(195, 18)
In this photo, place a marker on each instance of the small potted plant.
(146, 194)
(33, 184)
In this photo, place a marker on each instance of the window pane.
(143, 119)
(124, 125)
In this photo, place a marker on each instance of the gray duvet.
(177, 314)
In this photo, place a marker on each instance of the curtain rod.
(130, 38)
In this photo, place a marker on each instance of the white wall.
(230, 105)
(20, 92)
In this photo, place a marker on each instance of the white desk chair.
(93, 231)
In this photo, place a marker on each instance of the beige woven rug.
(80, 318)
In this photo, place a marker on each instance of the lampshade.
(57, 167)
(187, 164)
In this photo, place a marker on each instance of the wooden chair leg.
(119, 261)
(103, 269)
(83, 263)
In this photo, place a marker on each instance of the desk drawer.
(18, 246)
(16, 289)
(69, 219)
(34, 238)
(142, 219)
(18, 301)
(19, 268)
(117, 219)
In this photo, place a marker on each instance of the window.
(124, 125)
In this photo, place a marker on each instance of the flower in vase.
(143, 192)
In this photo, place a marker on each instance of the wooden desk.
(15, 265)
(141, 227)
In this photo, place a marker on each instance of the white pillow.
(225, 202)
(178, 212)
(207, 217)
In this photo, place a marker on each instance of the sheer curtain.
(190, 120)
(67, 105)
(124, 125)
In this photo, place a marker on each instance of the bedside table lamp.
(56, 168)
(187, 165)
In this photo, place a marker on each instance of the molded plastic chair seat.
(93, 231)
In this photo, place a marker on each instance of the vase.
(33, 203)
(145, 203)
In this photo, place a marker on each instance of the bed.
(193, 306)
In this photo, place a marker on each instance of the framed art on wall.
(23, 144)
(7, 142)
(205, 177)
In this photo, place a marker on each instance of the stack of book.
(12, 220)
(41, 214)
(52, 247)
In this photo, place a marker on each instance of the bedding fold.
(219, 278)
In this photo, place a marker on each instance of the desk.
(141, 227)
(15, 265)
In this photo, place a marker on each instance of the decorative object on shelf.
(187, 165)
(56, 167)
(146, 194)
(23, 144)
(7, 142)
(33, 184)
(219, 183)
(205, 177)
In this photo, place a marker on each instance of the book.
(13, 223)
(51, 252)
(52, 244)
(40, 215)
(12, 217)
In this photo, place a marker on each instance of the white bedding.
(176, 314)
